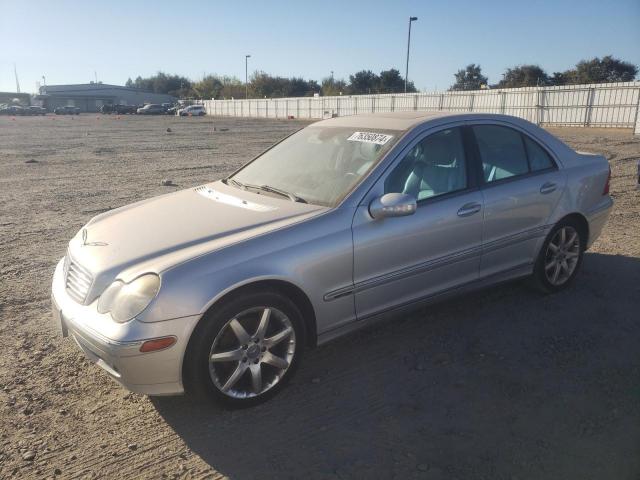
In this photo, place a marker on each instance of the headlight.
(126, 300)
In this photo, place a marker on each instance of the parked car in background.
(174, 109)
(35, 110)
(126, 109)
(119, 109)
(68, 110)
(221, 288)
(151, 109)
(192, 111)
(12, 110)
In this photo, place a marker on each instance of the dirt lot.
(503, 384)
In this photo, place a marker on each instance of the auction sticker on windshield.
(370, 137)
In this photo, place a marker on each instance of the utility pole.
(15, 72)
(95, 74)
(246, 76)
(406, 73)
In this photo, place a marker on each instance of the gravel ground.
(501, 384)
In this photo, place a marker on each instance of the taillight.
(606, 185)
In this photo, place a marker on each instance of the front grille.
(77, 279)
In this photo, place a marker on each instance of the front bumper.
(116, 347)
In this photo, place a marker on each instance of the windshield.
(318, 164)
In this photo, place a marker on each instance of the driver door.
(401, 260)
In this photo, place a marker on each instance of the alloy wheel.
(562, 255)
(252, 352)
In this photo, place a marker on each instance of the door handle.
(469, 209)
(548, 188)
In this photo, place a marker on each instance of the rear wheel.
(246, 349)
(560, 257)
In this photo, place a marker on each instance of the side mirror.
(393, 205)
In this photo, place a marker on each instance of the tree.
(392, 82)
(605, 69)
(562, 78)
(524, 76)
(470, 78)
(232, 87)
(332, 87)
(297, 87)
(313, 87)
(209, 87)
(143, 83)
(364, 81)
(264, 85)
(129, 82)
(162, 83)
(596, 70)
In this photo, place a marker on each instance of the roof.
(15, 94)
(87, 89)
(86, 86)
(403, 121)
(386, 120)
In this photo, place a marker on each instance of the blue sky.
(68, 40)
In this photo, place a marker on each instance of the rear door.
(400, 260)
(521, 186)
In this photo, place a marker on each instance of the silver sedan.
(219, 289)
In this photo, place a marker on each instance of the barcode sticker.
(370, 137)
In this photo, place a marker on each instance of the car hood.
(155, 234)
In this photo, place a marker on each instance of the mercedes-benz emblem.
(84, 236)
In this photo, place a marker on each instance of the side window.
(435, 166)
(502, 152)
(538, 158)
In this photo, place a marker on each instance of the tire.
(560, 257)
(251, 366)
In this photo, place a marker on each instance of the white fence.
(594, 105)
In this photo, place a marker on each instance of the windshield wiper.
(292, 196)
(235, 182)
(267, 188)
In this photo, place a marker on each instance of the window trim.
(471, 179)
(530, 173)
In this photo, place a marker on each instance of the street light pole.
(246, 76)
(406, 73)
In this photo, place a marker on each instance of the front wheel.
(560, 257)
(246, 349)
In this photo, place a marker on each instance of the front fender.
(315, 256)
